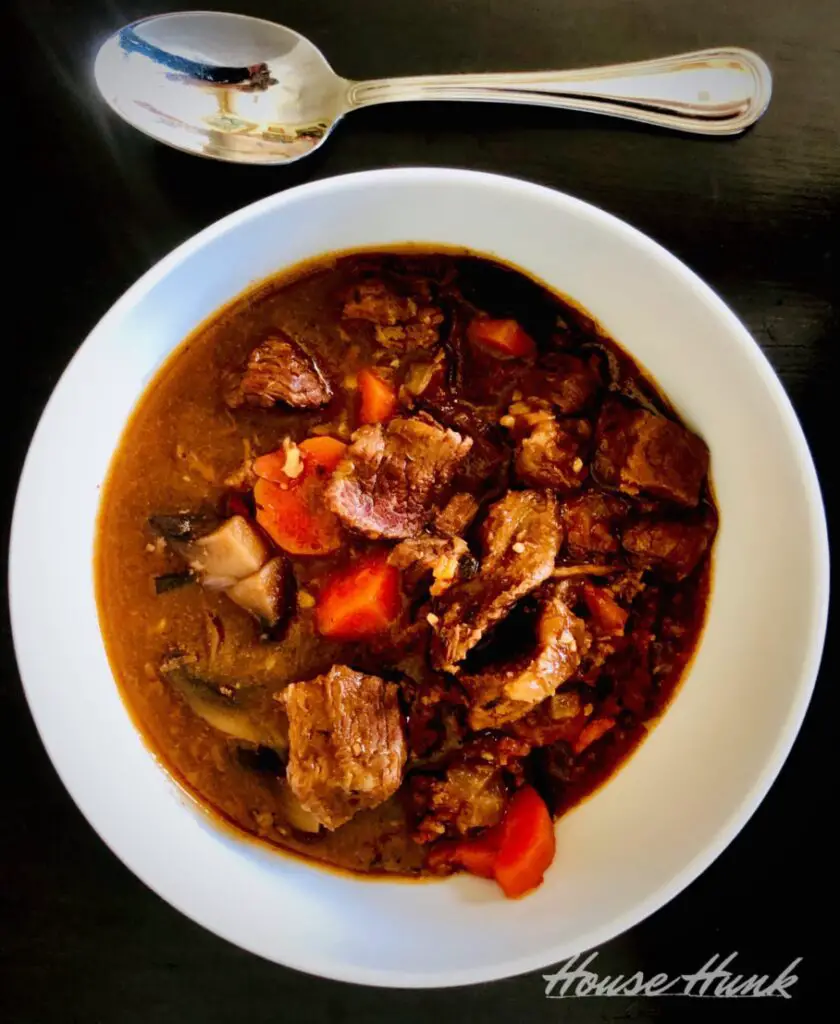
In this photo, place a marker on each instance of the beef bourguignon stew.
(399, 557)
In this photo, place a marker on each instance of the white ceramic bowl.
(666, 815)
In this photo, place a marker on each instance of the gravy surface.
(182, 449)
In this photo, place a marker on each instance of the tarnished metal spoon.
(246, 90)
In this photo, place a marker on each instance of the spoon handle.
(709, 92)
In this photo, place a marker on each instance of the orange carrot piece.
(360, 601)
(476, 856)
(291, 509)
(516, 852)
(609, 617)
(318, 455)
(592, 731)
(503, 338)
(323, 452)
(295, 517)
(378, 399)
(527, 844)
(272, 466)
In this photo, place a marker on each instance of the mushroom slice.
(266, 593)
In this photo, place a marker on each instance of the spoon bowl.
(245, 90)
(154, 75)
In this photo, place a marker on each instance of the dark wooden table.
(92, 205)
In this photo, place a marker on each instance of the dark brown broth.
(178, 448)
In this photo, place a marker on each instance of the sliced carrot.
(318, 455)
(378, 400)
(592, 731)
(516, 852)
(291, 509)
(504, 338)
(325, 453)
(477, 856)
(527, 844)
(360, 601)
(295, 517)
(272, 466)
(608, 616)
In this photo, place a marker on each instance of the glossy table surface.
(92, 205)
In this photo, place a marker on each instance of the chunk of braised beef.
(641, 452)
(455, 518)
(672, 547)
(467, 798)
(422, 332)
(503, 693)
(378, 302)
(568, 382)
(429, 560)
(592, 521)
(346, 743)
(392, 480)
(485, 470)
(522, 519)
(401, 317)
(473, 791)
(559, 717)
(549, 452)
(520, 539)
(279, 370)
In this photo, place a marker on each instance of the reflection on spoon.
(246, 90)
(256, 76)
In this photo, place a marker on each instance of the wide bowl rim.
(736, 331)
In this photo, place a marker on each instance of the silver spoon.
(249, 91)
